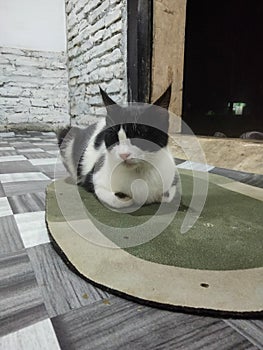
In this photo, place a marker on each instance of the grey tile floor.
(43, 305)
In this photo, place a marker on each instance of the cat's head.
(135, 133)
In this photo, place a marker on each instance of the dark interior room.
(223, 75)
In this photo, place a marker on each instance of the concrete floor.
(236, 154)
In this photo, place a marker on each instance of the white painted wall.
(33, 24)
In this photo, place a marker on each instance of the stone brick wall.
(33, 88)
(97, 32)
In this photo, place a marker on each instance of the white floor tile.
(32, 138)
(5, 208)
(7, 134)
(44, 143)
(195, 166)
(30, 150)
(44, 161)
(12, 158)
(7, 148)
(53, 152)
(32, 228)
(40, 336)
(49, 133)
(17, 177)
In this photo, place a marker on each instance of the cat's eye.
(148, 138)
(111, 138)
(145, 145)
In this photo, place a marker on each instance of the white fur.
(122, 135)
(66, 152)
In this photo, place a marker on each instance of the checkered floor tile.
(43, 305)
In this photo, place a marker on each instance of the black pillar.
(139, 45)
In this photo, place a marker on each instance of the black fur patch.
(120, 195)
(88, 182)
(61, 134)
(99, 139)
(166, 194)
(145, 137)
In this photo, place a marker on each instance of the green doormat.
(216, 266)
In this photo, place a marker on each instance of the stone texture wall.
(33, 89)
(97, 53)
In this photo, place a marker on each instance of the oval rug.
(216, 267)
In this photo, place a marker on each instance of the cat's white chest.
(143, 185)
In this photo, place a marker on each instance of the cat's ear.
(114, 111)
(106, 99)
(164, 100)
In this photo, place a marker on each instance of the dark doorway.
(223, 74)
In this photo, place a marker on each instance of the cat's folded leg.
(169, 195)
(111, 199)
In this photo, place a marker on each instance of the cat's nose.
(124, 156)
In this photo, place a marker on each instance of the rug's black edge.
(176, 308)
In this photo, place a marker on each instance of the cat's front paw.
(111, 199)
(121, 195)
(122, 201)
(168, 196)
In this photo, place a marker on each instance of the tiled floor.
(43, 305)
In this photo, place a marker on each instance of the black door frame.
(139, 47)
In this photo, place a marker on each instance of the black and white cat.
(124, 159)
